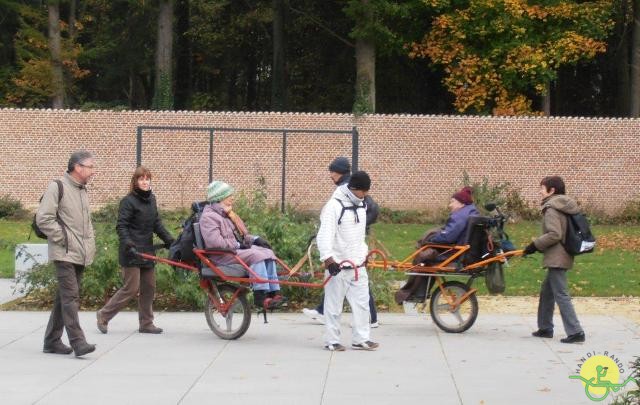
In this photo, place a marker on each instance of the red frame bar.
(203, 254)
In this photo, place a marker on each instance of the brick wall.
(415, 161)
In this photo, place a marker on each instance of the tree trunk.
(252, 84)
(184, 57)
(546, 99)
(622, 63)
(365, 99)
(55, 47)
(278, 80)
(163, 92)
(365, 77)
(635, 61)
(72, 20)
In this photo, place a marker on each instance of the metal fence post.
(211, 131)
(354, 149)
(139, 147)
(284, 169)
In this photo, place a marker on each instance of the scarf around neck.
(352, 197)
(240, 227)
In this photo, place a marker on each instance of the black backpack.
(579, 239)
(181, 250)
(372, 210)
(34, 225)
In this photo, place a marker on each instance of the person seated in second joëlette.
(222, 228)
(452, 233)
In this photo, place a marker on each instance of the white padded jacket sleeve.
(327, 233)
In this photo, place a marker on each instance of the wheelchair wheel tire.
(465, 314)
(238, 318)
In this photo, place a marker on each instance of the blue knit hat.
(340, 165)
(218, 191)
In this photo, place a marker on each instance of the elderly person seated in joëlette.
(452, 233)
(222, 228)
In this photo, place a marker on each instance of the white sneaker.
(374, 324)
(368, 345)
(313, 314)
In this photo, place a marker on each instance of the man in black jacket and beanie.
(340, 173)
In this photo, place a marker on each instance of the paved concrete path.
(6, 290)
(495, 362)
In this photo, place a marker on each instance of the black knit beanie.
(360, 181)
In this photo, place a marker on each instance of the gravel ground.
(625, 306)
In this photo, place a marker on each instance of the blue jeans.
(266, 269)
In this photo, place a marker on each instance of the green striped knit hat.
(218, 191)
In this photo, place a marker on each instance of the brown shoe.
(83, 348)
(150, 329)
(102, 324)
(57, 348)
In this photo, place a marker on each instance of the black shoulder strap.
(60, 190)
(353, 208)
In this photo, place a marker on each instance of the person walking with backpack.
(341, 237)
(555, 208)
(339, 173)
(66, 221)
(138, 220)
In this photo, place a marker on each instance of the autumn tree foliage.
(32, 84)
(499, 54)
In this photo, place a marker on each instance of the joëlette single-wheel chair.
(454, 305)
(226, 307)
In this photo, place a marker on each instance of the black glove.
(262, 243)
(246, 243)
(334, 268)
(130, 246)
(530, 249)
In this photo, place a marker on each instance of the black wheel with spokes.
(235, 322)
(449, 317)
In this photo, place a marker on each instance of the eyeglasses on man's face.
(91, 166)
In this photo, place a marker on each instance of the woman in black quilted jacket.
(138, 220)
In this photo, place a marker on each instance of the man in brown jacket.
(67, 223)
(555, 207)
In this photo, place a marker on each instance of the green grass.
(613, 270)
(12, 233)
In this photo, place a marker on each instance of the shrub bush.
(12, 208)
(412, 216)
(631, 397)
(630, 214)
(108, 213)
(503, 194)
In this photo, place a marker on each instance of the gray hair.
(77, 158)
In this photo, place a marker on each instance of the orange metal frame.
(440, 270)
(210, 286)
(437, 271)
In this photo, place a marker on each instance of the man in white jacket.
(341, 242)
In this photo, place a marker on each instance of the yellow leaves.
(514, 7)
(512, 104)
(496, 51)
